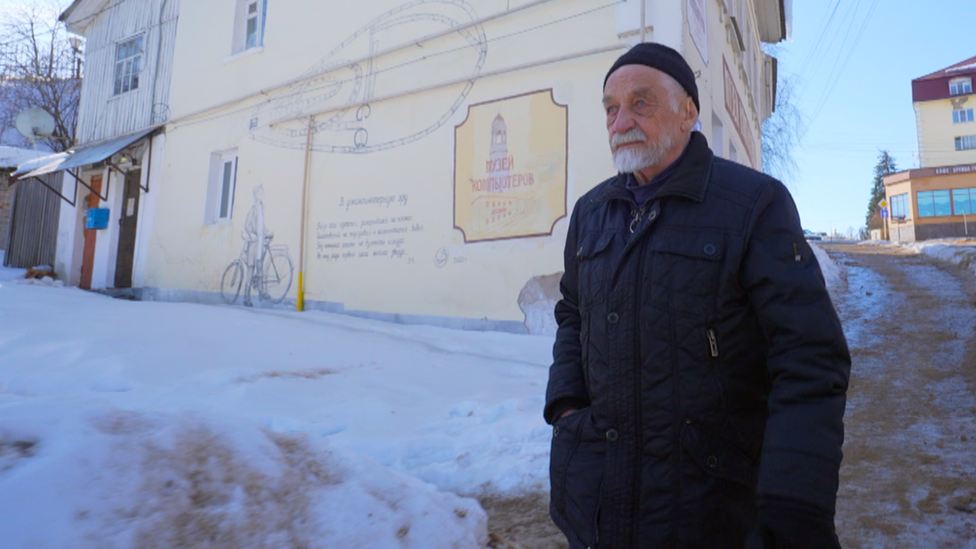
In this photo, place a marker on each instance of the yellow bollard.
(300, 302)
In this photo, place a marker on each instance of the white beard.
(635, 159)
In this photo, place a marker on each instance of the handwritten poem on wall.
(368, 228)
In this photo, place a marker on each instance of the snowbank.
(76, 474)
(142, 424)
(7, 274)
(960, 251)
(831, 272)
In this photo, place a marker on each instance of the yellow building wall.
(709, 58)
(937, 133)
(382, 171)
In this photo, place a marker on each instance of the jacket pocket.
(717, 456)
(576, 466)
(686, 268)
(593, 264)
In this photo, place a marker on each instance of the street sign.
(883, 203)
(884, 213)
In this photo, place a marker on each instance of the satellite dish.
(35, 123)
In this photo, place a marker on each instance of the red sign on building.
(738, 113)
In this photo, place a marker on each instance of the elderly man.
(699, 373)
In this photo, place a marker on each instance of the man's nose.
(623, 122)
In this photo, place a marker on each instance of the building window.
(934, 203)
(128, 63)
(964, 201)
(223, 182)
(733, 154)
(249, 28)
(962, 115)
(959, 86)
(966, 142)
(899, 206)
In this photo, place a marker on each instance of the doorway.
(128, 221)
(88, 255)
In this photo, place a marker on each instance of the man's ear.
(689, 115)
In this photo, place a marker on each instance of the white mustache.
(633, 136)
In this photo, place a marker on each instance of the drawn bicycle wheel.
(276, 276)
(230, 283)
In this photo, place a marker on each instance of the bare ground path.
(909, 472)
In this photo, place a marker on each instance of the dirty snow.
(831, 272)
(153, 424)
(960, 251)
(144, 424)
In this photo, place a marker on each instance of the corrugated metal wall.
(33, 235)
(102, 115)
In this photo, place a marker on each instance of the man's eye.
(641, 103)
(611, 110)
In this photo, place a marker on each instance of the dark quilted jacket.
(706, 357)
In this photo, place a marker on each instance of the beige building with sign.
(414, 161)
(938, 199)
(944, 103)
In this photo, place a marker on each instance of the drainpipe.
(643, 19)
(300, 300)
(159, 53)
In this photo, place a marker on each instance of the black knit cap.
(664, 59)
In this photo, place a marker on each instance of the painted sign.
(738, 113)
(510, 167)
(698, 27)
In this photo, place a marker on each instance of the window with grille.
(959, 86)
(966, 142)
(250, 24)
(962, 115)
(128, 64)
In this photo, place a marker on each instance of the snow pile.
(831, 272)
(86, 475)
(7, 274)
(45, 281)
(960, 251)
(151, 424)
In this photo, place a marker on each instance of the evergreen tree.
(885, 166)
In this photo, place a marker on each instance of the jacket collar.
(689, 179)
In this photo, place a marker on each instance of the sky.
(855, 60)
(864, 82)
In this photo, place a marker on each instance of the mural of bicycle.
(270, 273)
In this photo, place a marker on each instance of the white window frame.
(128, 64)
(222, 187)
(961, 116)
(250, 22)
(960, 86)
(966, 143)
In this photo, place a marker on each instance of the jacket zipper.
(713, 342)
(638, 215)
(796, 252)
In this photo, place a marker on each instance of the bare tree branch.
(38, 69)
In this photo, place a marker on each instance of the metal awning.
(38, 163)
(88, 154)
(82, 156)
